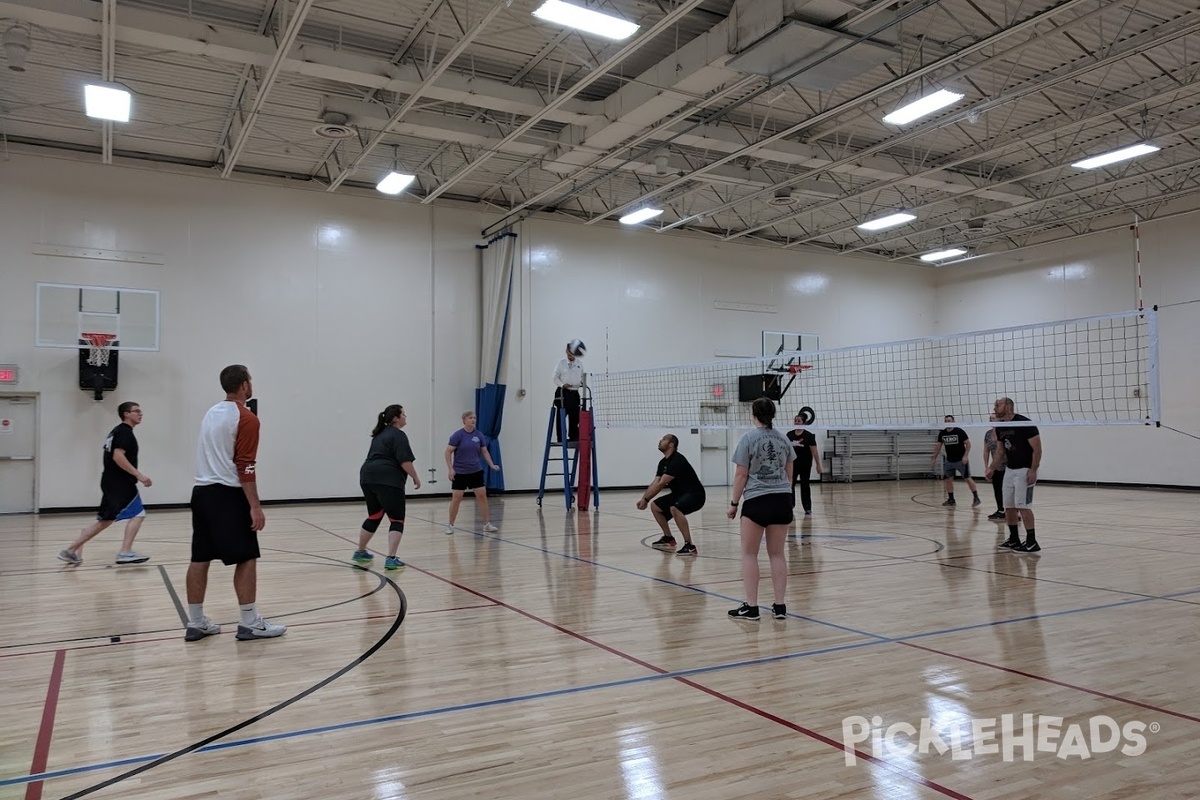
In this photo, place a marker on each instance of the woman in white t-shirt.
(764, 459)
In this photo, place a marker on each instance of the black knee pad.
(397, 526)
(370, 525)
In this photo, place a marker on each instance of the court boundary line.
(41, 747)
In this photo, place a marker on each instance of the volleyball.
(576, 347)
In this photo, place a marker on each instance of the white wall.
(1096, 275)
(341, 304)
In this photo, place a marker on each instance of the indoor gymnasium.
(681, 400)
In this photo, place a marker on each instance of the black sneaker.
(665, 543)
(1028, 547)
(950, 503)
(1010, 544)
(998, 516)
(976, 503)
(779, 610)
(688, 549)
(745, 611)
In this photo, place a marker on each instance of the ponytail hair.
(763, 410)
(386, 418)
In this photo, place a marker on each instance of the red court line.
(1063, 684)
(912, 776)
(41, 749)
(810, 733)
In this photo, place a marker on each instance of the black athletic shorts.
(769, 509)
(382, 500)
(466, 481)
(114, 500)
(688, 503)
(221, 525)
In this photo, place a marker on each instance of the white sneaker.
(448, 530)
(261, 629)
(195, 631)
(489, 527)
(131, 557)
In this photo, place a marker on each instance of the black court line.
(183, 617)
(391, 631)
(363, 596)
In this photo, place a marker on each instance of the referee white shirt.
(569, 373)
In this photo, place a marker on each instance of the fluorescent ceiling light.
(641, 215)
(942, 255)
(585, 20)
(923, 107)
(106, 101)
(1124, 154)
(395, 182)
(890, 221)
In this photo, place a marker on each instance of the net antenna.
(99, 347)
(1100, 370)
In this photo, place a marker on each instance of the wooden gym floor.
(563, 657)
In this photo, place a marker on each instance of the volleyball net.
(1099, 370)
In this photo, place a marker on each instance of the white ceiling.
(487, 104)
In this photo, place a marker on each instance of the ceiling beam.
(1185, 92)
(266, 82)
(1176, 29)
(417, 93)
(854, 103)
(158, 31)
(676, 14)
(108, 59)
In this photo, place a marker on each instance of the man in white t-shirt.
(568, 377)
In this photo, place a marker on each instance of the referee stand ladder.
(576, 460)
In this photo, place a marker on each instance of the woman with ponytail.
(382, 477)
(763, 479)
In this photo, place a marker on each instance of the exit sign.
(8, 373)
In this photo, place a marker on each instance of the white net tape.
(1091, 371)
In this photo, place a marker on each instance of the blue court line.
(875, 641)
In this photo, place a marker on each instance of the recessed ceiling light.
(641, 215)
(923, 107)
(109, 101)
(1124, 154)
(586, 20)
(890, 221)
(395, 182)
(942, 255)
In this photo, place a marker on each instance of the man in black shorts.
(119, 493)
(804, 443)
(226, 512)
(686, 497)
(958, 460)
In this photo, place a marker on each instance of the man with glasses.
(119, 491)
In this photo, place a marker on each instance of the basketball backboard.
(65, 312)
(776, 342)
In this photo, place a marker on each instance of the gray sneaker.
(195, 631)
(131, 557)
(69, 557)
(261, 629)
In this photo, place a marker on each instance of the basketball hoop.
(794, 368)
(99, 347)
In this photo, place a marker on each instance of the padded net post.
(1091, 371)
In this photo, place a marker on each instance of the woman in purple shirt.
(463, 461)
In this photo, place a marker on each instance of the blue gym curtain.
(496, 260)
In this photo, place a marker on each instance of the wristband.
(734, 503)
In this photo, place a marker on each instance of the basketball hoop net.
(99, 347)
